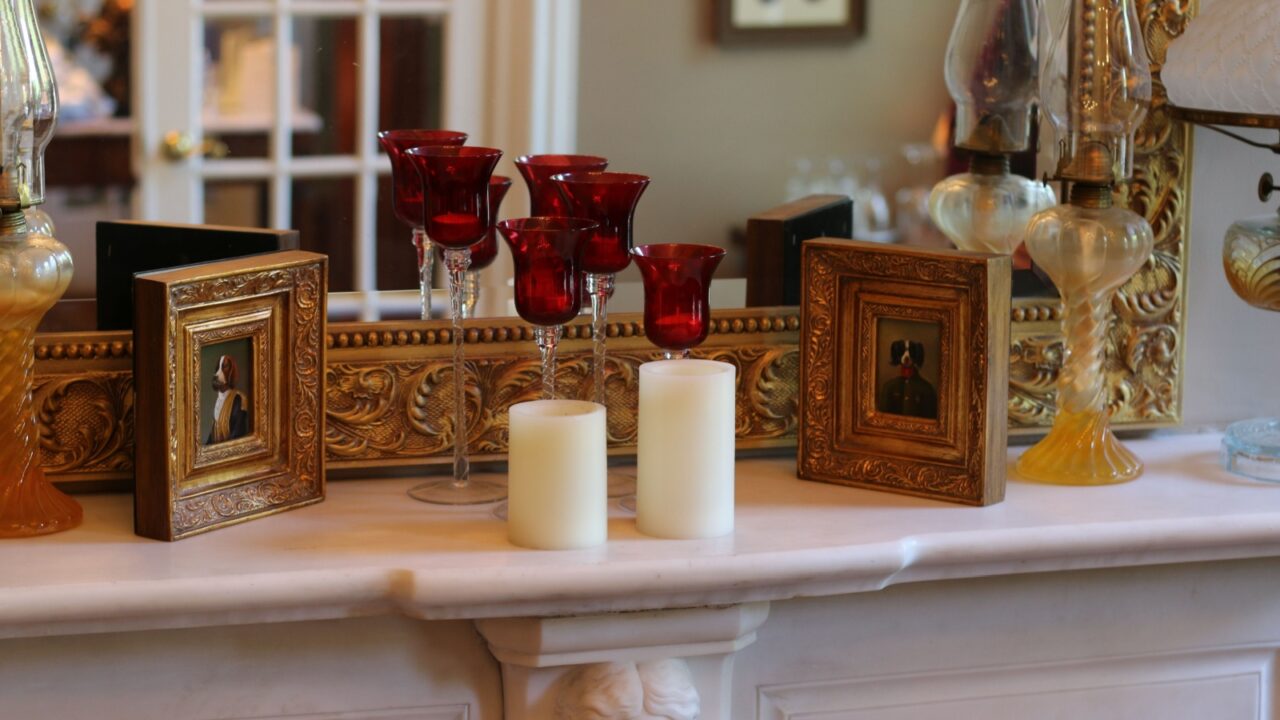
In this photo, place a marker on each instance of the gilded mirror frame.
(386, 382)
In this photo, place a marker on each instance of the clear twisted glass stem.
(548, 338)
(1081, 382)
(18, 449)
(600, 287)
(457, 260)
(426, 269)
(675, 354)
(470, 293)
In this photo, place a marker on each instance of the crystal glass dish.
(1252, 448)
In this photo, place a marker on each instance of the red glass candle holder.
(544, 198)
(456, 185)
(677, 280)
(484, 252)
(545, 250)
(406, 185)
(456, 215)
(406, 188)
(609, 198)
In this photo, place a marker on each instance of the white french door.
(238, 118)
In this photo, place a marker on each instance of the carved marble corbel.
(661, 665)
(651, 690)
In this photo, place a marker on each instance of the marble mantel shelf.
(369, 550)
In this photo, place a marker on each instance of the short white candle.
(684, 487)
(557, 475)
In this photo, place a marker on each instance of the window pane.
(239, 84)
(324, 215)
(397, 259)
(409, 93)
(325, 119)
(239, 203)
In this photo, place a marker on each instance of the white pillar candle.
(684, 487)
(557, 475)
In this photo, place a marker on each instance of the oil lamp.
(35, 270)
(1095, 90)
(992, 75)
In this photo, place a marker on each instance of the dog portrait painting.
(907, 376)
(226, 391)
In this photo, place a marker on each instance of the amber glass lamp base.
(31, 505)
(1079, 450)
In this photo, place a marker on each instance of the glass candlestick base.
(478, 489)
(1079, 450)
(1252, 448)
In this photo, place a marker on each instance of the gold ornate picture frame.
(904, 364)
(228, 369)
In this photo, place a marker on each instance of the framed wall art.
(904, 357)
(743, 22)
(229, 370)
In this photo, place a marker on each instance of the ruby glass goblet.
(610, 199)
(546, 250)
(407, 189)
(677, 280)
(456, 216)
(484, 252)
(537, 170)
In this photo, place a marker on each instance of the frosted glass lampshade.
(1228, 60)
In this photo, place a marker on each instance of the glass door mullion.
(282, 124)
(365, 249)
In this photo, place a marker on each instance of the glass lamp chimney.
(1096, 89)
(43, 95)
(16, 112)
(992, 74)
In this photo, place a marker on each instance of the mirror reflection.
(725, 131)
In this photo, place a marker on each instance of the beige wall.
(717, 128)
(1232, 350)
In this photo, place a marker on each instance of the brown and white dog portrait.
(908, 393)
(231, 407)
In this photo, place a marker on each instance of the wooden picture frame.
(773, 244)
(904, 361)
(228, 370)
(755, 22)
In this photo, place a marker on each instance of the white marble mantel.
(369, 549)
(337, 603)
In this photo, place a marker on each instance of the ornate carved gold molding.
(389, 388)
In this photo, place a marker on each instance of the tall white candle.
(557, 475)
(684, 487)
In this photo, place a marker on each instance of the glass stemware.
(484, 252)
(456, 215)
(407, 188)
(537, 171)
(610, 199)
(677, 282)
(546, 251)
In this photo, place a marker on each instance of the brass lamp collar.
(989, 164)
(1092, 196)
(13, 224)
(1090, 165)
